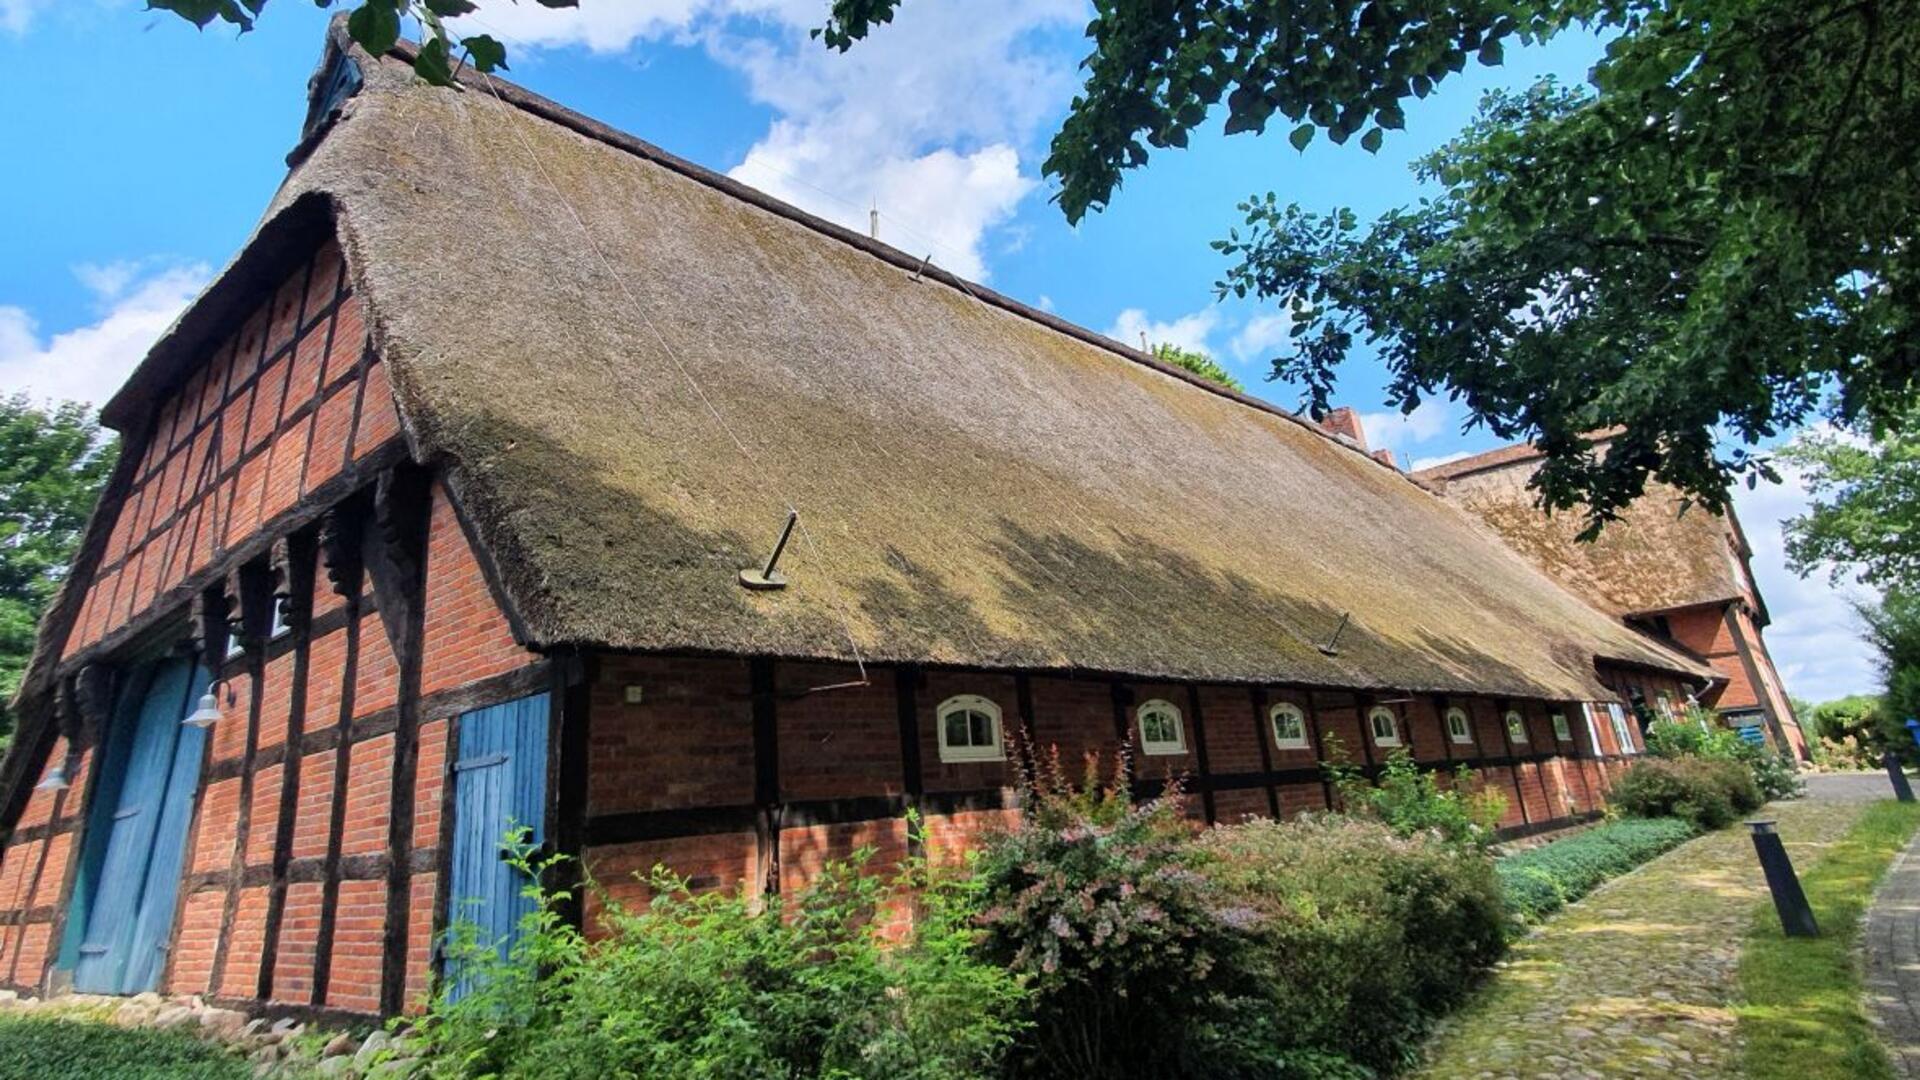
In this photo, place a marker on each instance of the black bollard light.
(1901, 789)
(1796, 917)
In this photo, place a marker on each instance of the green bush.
(1700, 733)
(1409, 799)
(1706, 792)
(706, 986)
(46, 1048)
(1362, 935)
(1539, 881)
(1136, 964)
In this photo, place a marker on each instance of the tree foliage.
(53, 463)
(1893, 627)
(1864, 516)
(1197, 362)
(375, 26)
(1712, 237)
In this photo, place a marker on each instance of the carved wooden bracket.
(92, 697)
(396, 551)
(212, 608)
(340, 535)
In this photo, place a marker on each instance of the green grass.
(46, 1048)
(1803, 1017)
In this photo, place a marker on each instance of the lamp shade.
(206, 714)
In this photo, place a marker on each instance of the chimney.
(1344, 422)
(1385, 457)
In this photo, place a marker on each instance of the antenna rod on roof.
(1144, 347)
(1332, 647)
(873, 222)
(769, 578)
(922, 268)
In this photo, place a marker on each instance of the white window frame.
(1392, 738)
(1562, 728)
(1297, 715)
(1663, 703)
(1588, 710)
(970, 703)
(1161, 747)
(278, 627)
(1464, 734)
(1516, 722)
(1622, 729)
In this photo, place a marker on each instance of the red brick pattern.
(195, 943)
(245, 944)
(369, 791)
(360, 917)
(467, 638)
(231, 446)
(299, 938)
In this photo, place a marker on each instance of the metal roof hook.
(769, 578)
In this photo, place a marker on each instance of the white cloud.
(89, 363)
(1187, 332)
(16, 15)
(1397, 431)
(1815, 638)
(1420, 463)
(931, 117)
(1261, 336)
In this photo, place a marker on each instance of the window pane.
(957, 728)
(982, 729)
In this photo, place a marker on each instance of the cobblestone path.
(1636, 979)
(1893, 962)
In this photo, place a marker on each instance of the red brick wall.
(281, 412)
(237, 444)
(683, 757)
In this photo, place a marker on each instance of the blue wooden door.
(500, 784)
(145, 803)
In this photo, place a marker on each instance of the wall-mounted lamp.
(207, 714)
(55, 780)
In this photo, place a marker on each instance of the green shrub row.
(1539, 881)
(1707, 792)
(1096, 938)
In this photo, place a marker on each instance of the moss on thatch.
(582, 328)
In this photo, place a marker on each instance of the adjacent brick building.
(438, 512)
(1681, 573)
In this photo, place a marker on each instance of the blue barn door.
(500, 783)
(138, 833)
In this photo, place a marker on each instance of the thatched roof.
(1659, 556)
(631, 365)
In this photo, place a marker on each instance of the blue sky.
(143, 152)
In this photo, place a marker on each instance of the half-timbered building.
(453, 505)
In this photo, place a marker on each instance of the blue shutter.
(500, 783)
(138, 832)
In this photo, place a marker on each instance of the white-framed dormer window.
(1386, 726)
(1458, 728)
(1161, 731)
(1516, 726)
(280, 626)
(969, 728)
(1561, 729)
(1289, 726)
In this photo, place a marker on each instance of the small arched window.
(1386, 727)
(1457, 728)
(970, 729)
(1561, 729)
(1516, 726)
(1289, 726)
(1161, 731)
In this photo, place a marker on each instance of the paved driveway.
(1639, 978)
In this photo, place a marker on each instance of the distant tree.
(1865, 512)
(1197, 362)
(53, 463)
(1710, 238)
(1893, 626)
(375, 26)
